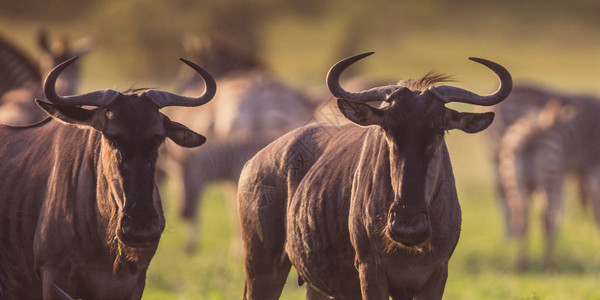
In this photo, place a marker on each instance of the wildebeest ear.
(95, 118)
(182, 135)
(360, 113)
(467, 122)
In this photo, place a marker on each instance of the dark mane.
(430, 79)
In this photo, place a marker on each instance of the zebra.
(251, 104)
(536, 152)
(524, 100)
(221, 161)
(21, 78)
(16, 67)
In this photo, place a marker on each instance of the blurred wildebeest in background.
(541, 137)
(365, 210)
(251, 109)
(21, 78)
(80, 207)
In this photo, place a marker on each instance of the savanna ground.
(552, 43)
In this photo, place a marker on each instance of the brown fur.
(80, 206)
(325, 199)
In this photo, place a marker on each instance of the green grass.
(215, 271)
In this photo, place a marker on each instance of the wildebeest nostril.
(408, 229)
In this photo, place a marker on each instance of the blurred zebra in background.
(16, 68)
(251, 108)
(548, 137)
(21, 79)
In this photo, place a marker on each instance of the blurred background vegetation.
(553, 43)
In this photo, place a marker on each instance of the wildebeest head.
(132, 130)
(414, 119)
(59, 50)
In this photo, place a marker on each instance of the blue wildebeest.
(80, 207)
(251, 109)
(21, 78)
(537, 150)
(365, 211)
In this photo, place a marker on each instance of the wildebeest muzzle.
(408, 226)
(139, 231)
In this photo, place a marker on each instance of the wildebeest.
(368, 210)
(537, 151)
(80, 206)
(21, 78)
(252, 106)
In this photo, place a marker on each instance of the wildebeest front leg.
(266, 273)
(373, 282)
(434, 288)
(53, 277)
(137, 292)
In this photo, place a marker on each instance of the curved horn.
(162, 98)
(454, 94)
(374, 94)
(97, 98)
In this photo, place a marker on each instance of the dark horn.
(162, 98)
(454, 94)
(374, 94)
(97, 98)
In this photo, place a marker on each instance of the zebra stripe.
(15, 67)
(537, 151)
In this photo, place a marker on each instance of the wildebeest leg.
(262, 219)
(373, 281)
(312, 294)
(59, 276)
(434, 288)
(266, 273)
(137, 292)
